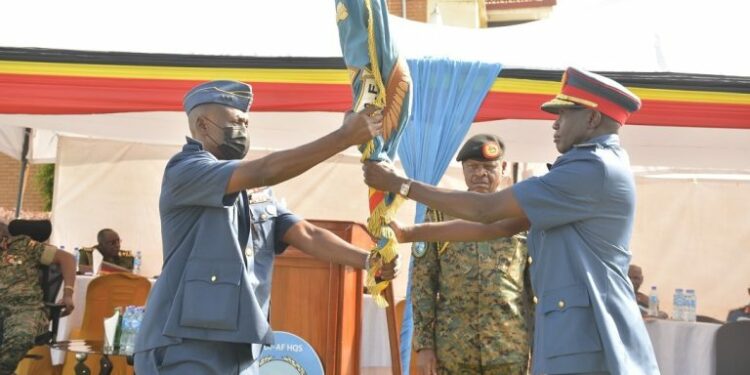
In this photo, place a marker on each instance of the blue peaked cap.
(229, 93)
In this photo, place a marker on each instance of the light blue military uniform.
(214, 289)
(581, 215)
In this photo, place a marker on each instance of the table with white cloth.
(375, 352)
(74, 320)
(684, 348)
(681, 348)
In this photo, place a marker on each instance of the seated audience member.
(742, 313)
(108, 244)
(635, 274)
(23, 316)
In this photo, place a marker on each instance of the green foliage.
(45, 179)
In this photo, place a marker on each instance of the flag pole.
(393, 330)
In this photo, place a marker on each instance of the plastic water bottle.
(131, 323)
(127, 336)
(653, 302)
(690, 305)
(77, 254)
(137, 263)
(678, 305)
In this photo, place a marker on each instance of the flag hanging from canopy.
(379, 77)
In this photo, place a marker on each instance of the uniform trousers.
(502, 369)
(198, 357)
(21, 326)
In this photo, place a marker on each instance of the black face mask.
(236, 143)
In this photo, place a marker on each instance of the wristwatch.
(404, 190)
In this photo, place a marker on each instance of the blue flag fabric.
(447, 96)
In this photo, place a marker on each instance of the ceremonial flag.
(379, 77)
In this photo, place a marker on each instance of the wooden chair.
(102, 296)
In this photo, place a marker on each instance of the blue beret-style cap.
(229, 93)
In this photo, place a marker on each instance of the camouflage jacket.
(20, 259)
(124, 258)
(474, 296)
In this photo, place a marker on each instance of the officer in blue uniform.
(208, 312)
(581, 218)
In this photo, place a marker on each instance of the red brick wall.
(9, 174)
(416, 10)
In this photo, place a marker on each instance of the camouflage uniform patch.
(472, 305)
(21, 306)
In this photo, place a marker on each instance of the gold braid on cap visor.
(580, 101)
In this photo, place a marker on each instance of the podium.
(322, 301)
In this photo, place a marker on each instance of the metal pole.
(24, 165)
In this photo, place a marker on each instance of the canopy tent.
(79, 64)
(121, 75)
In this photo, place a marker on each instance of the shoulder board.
(434, 215)
(585, 145)
(125, 253)
(259, 195)
(258, 198)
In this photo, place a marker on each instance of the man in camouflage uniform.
(22, 313)
(108, 244)
(471, 301)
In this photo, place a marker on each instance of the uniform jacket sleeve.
(199, 180)
(567, 193)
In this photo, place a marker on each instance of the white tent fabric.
(613, 35)
(694, 236)
(107, 184)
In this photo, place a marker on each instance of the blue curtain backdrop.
(446, 96)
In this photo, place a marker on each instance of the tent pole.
(24, 165)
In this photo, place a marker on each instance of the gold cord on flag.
(382, 214)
